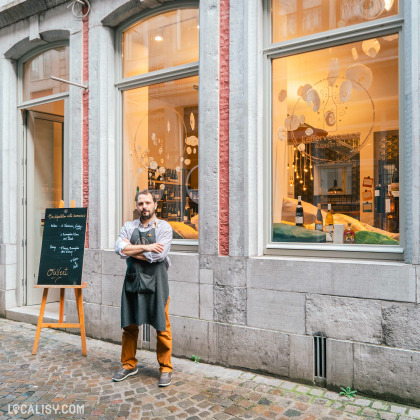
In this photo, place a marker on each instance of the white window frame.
(331, 38)
(147, 79)
(22, 187)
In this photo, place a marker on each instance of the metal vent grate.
(320, 357)
(146, 333)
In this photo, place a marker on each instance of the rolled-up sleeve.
(120, 244)
(164, 237)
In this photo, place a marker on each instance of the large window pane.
(160, 152)
(37, 72)
(336, 141)
(295, 18)
(166, 40)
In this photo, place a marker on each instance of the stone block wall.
(262, 313)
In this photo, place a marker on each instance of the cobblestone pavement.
(59, 380)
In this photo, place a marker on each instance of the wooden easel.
(60, 323)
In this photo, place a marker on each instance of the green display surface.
(63, 247)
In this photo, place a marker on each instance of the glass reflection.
(160, 152)
(295, 18)
(166, 40)
(336, 142)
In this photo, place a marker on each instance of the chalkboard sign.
(63, 247)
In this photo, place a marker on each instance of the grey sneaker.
(124, 373)
(165, 379)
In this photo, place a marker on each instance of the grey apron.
(145, 290)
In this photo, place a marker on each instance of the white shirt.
(163, 231)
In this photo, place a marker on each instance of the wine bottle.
(349, 235)
(299, 212)
(329, 225)
(395, 191)
(318, 220)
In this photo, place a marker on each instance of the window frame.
(335, 37)
(142, 80)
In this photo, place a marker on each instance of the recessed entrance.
(44, 152)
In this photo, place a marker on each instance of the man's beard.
(151, 214)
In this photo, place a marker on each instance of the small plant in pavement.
(195, 359)
(347, 392)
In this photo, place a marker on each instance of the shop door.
(44, 189)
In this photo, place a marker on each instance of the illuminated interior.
(335, 122)
(160, 152)
(296, 18)
(166, 40)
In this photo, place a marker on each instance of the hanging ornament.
(313, 96)
(360, 74)
(192, 121)
(281, 133)
(187, 161)
(153, 165)
(194, 150)
(168, 126)
(162, 170)
(332, 71)
(282, 95)
(354, 54)
(345, 91)
(309, 131)
(371, 47)
(178, 169)
(189, 150)
(291, 122)
(160, 150)
(162, 160)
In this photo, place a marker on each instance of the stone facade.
(248, 309)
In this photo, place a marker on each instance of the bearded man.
(145, 243)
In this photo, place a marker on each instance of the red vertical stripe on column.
(85, 123)
(224, 129)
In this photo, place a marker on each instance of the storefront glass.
(295, 18)
(166, 40)
(335, 142)
(160, 120)
(160, 152)
(37, 72)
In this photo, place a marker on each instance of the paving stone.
(398, 409)
(379, 405)
(59, 374)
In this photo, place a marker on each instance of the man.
(145, 243)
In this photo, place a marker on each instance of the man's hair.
(146, 192)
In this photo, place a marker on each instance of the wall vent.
(320, 358)
(146, 333)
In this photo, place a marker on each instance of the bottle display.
(318, 220)
(299, 212)
(395, 192)
(349, 236)
(329, 225)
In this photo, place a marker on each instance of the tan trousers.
(163, 345)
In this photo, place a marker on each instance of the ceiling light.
(388, 4)
(158, 38)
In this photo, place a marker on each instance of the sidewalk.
(59, 378)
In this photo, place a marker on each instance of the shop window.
(335, 143)
(165, 40)
(37, 71)
(295, 18)
(160, 120)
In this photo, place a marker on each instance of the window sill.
(372, 252)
